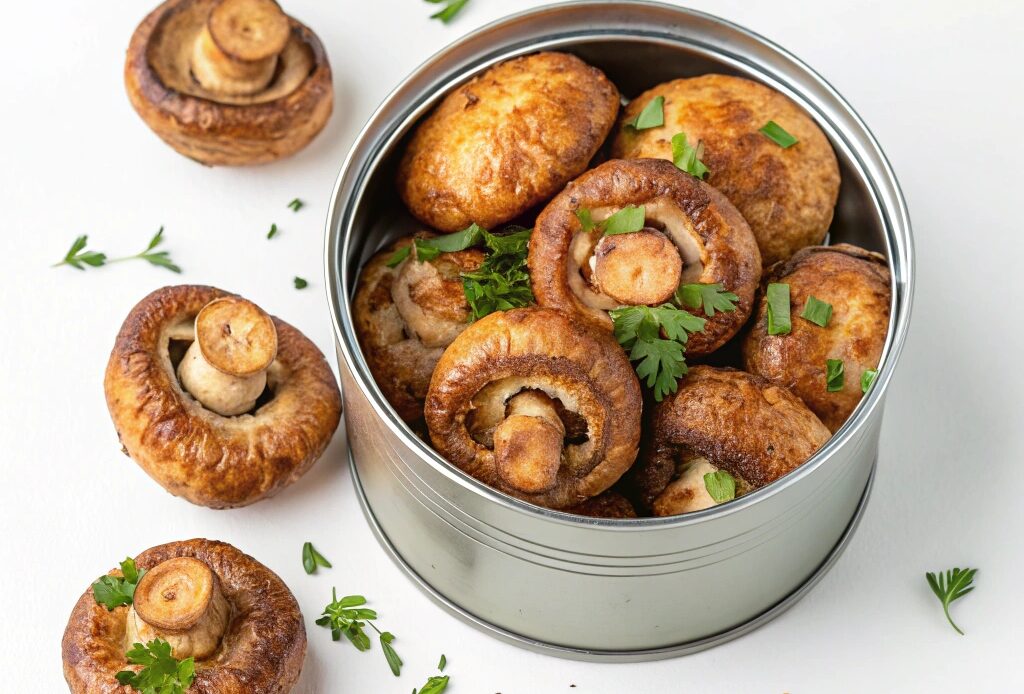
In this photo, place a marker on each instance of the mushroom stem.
(236, 52)
(180, 601)
(528, 443)
(639, 268)
(225, 368)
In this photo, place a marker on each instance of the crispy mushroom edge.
(741, 423)
(545, 350)
(540, 118)
(211, 460)
(857, 283)
(261, 653)
(729, 254)
(787, 195)
(221, 134)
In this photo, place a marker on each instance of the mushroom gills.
(180, 601)
(687, 492)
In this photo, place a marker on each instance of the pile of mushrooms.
(539, 399)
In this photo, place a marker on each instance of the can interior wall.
(597, 588)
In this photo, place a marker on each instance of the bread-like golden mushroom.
(610, 504)
(209, 601)
(229, 82)
(722, 419)
(537, 406)
(857, 284)
(406, 315)
(787, 195)
(506, 141)
(692, 235)
(217, 401)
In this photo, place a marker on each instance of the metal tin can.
(601, 589)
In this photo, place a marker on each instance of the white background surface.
(939, 84)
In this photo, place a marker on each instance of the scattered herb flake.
(442, 663)
(721, 486)
(586, 220)
(866, 379)
(114, 591)
(300, 283)
(449, 11)
(347, 617)
(834, 375)
(161, 674)
(687, 158)
(77, 256)
(777, 134)
(778, 309)
(661, 360)
(398, 256)
(311, 559)
(817, 311)
(273, 231)
(709, 297)
(434, 685)
(626, 221)
(951, 586)
(652, 115)
(296, 205)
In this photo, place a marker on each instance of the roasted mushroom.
(786, 194)
(405, 314)
(506, 141)
(610, 504)
(210, 602)
(691, 234)
(229, 82)
(537, 406)
(722, 419)
(217, 401)
(856, 283)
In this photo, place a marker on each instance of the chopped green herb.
(296, 205)
(817, 311)
(502, 281)
(398, 256)
(778, 309)
(834, 375)
(273, 231)
(627, 220)
(586, 220)
(434, 685)
(77, 255)
(347, 617)
(775, 132)
(161, 674)
(160, 258)
(866, 379)
(652, 115)
(113, 591)
(721, 486)
(300, 283)
(661, 361)
(312, 559)
(951, 586)
(688, 158)
(441, 663)
(710, 297)
(448, 13)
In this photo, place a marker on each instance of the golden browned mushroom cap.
(610, 504)
(229, 82)
(856, 283)
(690, 226)
(508, 397)
(208, 593)
(193, 451)
(506, 141)
(406, 315)
(722, 419)
(786, 195)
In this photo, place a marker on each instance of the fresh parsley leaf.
(661, 360)
(273, 231)
(952, 585)
(627, 220)
(434, 685)
(300, 283)
(778, 309)
(586, 220)
(161, 674)
(709, 297)
(502, 281)
(721, 486)
(398, 256)
(834, 375)
(652, 115)
(817, 311)
(448, 13)
(347, 617)
(866, 379)
(159, 258)
(442, 663)
(687, 158)
(113, 591)
(296, 205)
(77, 256)
(777, 134)
(312, 559)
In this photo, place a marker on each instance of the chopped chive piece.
(450, 10)
(398, 256)
(817, 311)
(778, 309)
(312, 559)
(652, 115)
(721, 486)
(775, 132)
(273, 231)
(627, 220)
(441, 663)
(300, 283)
(687, 158)
(834, 375)
(866, 379)
(296, 205)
